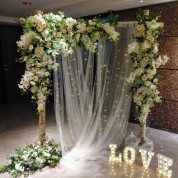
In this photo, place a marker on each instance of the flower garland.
(32, 158)
(146, 59)
(45, 37)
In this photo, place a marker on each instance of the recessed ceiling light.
(141, 0)
(27, 3)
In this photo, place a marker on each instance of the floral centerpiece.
(146, 60)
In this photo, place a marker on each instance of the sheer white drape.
(92, 104)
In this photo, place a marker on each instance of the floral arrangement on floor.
(32, 158)
(48, 35)
(146, 59)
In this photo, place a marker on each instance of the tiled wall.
(164, 116)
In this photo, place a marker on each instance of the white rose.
(38, 64)
(25, 157)
(155, 80)
(35, 78)
(140, 28)
(32, 83)
(139, 90)
(59, 34)
(91, 22)
(35, 154)
(39, 51)
(144, 77)
(143, 63)
(145, 46)
(150, 75)
(89, 29)
(48, 44)
(30, 48)
(46, 74)
(39, 28)
(34, 89)
(149, 32)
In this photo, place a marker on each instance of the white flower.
(59, 34)
(145, 46)
(92, 22)
(140, 28)
(56, 66)
(150, 75)
(25, 157)
(158, 99)
(35, 78)
(134, 74)
(81, 27)
(18, 167)
(155, 80)
(46, 74)
(150, 39)
(40, 160)
(153, 24)
(39, 28)
(77, 37)
(155, 50)
(139, 103)
(32, 83)
(137, 98)
(39, 51)
(165, 59)
(48, 44)
(41, 107)
(89, 29)
(42, 98)
(46, 154)
(30, 47)
(144, 77)
(143, 63)
(134, 47)
(70, 22)
(34, 89)
(147, 83)
(25, 40)
(35, 154)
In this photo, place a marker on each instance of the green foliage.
(32, 158)
(146, 59)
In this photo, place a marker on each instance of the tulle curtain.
(92, 104)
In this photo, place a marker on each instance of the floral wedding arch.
(45, 37)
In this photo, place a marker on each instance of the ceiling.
(73, 8)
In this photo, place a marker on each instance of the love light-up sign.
(129, 155)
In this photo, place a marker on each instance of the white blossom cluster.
(31, 158)
(47, 36)
(146, 60)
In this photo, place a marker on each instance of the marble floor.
(23, 129)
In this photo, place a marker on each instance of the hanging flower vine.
(146, 59)
(45, 37)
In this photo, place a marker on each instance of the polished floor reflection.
(19, 126)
